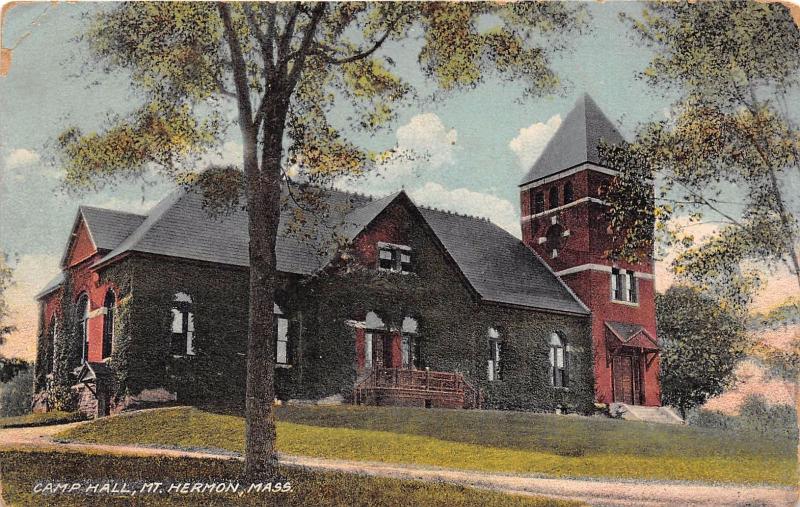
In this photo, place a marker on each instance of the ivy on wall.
(452, 326)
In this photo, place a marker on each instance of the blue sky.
(480, 142)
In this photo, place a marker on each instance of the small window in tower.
(553, 197)
(538, 202)
(568, 193)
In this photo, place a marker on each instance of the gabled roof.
(498, 266)
(107, 228)
(632, 335)
(576, 141)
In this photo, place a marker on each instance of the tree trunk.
(264, 205)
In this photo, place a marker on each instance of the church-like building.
(380, 301)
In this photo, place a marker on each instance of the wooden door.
(623, 369)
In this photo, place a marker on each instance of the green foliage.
(6, 281)
(10, 367)
(701, 344)
(732, 65)
(325, 489)
(491, 441)
(755, 415)
(306, 55)
(16, 394)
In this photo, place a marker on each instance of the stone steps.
(661, 415)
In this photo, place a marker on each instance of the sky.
(478, 143)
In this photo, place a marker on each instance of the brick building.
(380, 301)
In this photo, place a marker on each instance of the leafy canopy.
(730, 143)
(312, 56)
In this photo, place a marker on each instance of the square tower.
(564, 221)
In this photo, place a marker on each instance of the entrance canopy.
(620, 334)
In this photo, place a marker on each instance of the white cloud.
(530, 142)
(20, 158)
(463, 200)
(424, 144)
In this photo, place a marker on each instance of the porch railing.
(419, 381)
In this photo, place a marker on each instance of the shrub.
(16, 394)
(755, 414)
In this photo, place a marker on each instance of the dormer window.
(395, 258)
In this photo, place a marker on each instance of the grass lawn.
(545, 444)
(21, 471)
(40, 419)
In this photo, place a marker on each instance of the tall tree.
(730, 144)
(285, 66)
(702, 343)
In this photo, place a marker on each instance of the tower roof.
(576, 140)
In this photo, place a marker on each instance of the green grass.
(475, 440)
(40, 419)
(21, 471)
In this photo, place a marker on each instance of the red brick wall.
(79, 260)
(588, 243)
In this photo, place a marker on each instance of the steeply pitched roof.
(499, 266)
(109, 227)
(576, 141)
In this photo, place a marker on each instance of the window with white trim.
(396, 258)
(182, 325)
(493, 370)
(623, 285)
(558, 361)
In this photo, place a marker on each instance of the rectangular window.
(418, 360)
(618, 284)
(368, 350)
(282, 341)
(623, 285)
(182, 331)
(493, 365)
(632, 296)
(396, 258)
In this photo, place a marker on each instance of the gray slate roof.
(109, 227)
(576, 141)
(179, 227)
(51, 286)
(498, 266)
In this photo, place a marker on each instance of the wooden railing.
(419, 382)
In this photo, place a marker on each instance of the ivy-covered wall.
(452, 326)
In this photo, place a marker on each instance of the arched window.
(182, 325)
(110, 304)
(568, 193)
(553, 197)
(558, 361)
(81, 325)
(493, 366)
(538, 202)
(377, 343)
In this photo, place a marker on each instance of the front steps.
(662, 415)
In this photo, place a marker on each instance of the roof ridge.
(88, 206)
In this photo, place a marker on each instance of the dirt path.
(594, 492)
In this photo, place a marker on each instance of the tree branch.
(308, 38)
(353, 58)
